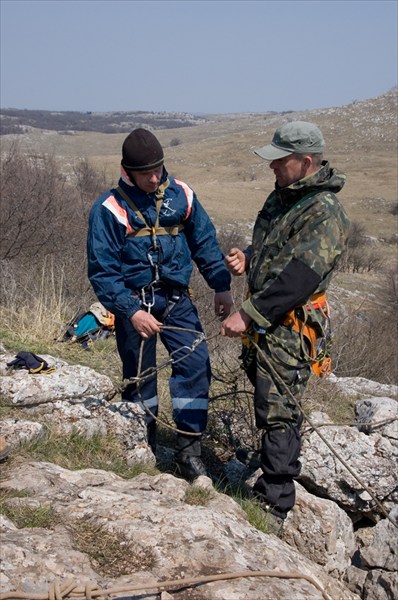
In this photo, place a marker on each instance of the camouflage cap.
(297, 137)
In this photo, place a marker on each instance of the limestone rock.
(76, 382)
(372, 457)
(322, 531)
(186, 540)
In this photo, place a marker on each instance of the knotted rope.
(69, 589)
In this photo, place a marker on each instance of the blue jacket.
(117, 261)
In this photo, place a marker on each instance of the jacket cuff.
(249, 309)
(223, 284)
(132, 312)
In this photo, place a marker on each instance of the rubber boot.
(250, 458)
(188, 457)
(151, 435)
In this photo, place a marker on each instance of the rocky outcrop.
(335, 537)
(321, 531)
(174, 538)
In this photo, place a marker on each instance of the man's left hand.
(223, 304)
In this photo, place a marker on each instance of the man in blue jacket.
(142, 239)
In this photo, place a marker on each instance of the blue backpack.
(86, 327)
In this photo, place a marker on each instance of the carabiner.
(154, 265)
(144, 291)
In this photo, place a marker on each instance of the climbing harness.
(147, 297)
(315, 337)
(153, 253)
(316, 340)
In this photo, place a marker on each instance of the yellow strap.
(174, 230)
(37, 370)
(159, 200)
(41, 370)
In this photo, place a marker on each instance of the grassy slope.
(217, 160)
(360, 139)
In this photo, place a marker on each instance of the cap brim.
(271, 152)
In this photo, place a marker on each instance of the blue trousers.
(190, 377)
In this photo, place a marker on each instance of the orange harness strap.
(320, 362)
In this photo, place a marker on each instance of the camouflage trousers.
(279, 363)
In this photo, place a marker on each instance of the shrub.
(359, 258)
(365, 345)
(394, 209)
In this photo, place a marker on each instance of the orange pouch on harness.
(319, 357)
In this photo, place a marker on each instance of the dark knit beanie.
(141, 151)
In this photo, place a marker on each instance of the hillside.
(17, 121)
(215, 157)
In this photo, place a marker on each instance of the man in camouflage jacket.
(298, 238)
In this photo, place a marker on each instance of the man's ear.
(308, 164)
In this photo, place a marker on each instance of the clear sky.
(195, 56)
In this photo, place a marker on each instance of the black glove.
(32, 362)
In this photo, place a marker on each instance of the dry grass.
(111, 553)
(25, 515)
(198, 496)
(75, 451)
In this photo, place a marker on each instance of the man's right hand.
(145, 324)
(236, 324)
(235, 261)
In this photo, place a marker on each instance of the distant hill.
(14, 121)
(214, 155)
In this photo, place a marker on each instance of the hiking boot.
(4, 449)
(190, 467)
(188, 457)
(249, 458)
(151, 436)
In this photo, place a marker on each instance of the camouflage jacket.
(298, 238)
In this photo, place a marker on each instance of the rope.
(202, 337)
(60, 591)
(89, 592)
(151, 371)
(373, 424)
(316, 429)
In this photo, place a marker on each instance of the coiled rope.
(74, 591)
(201, 337)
